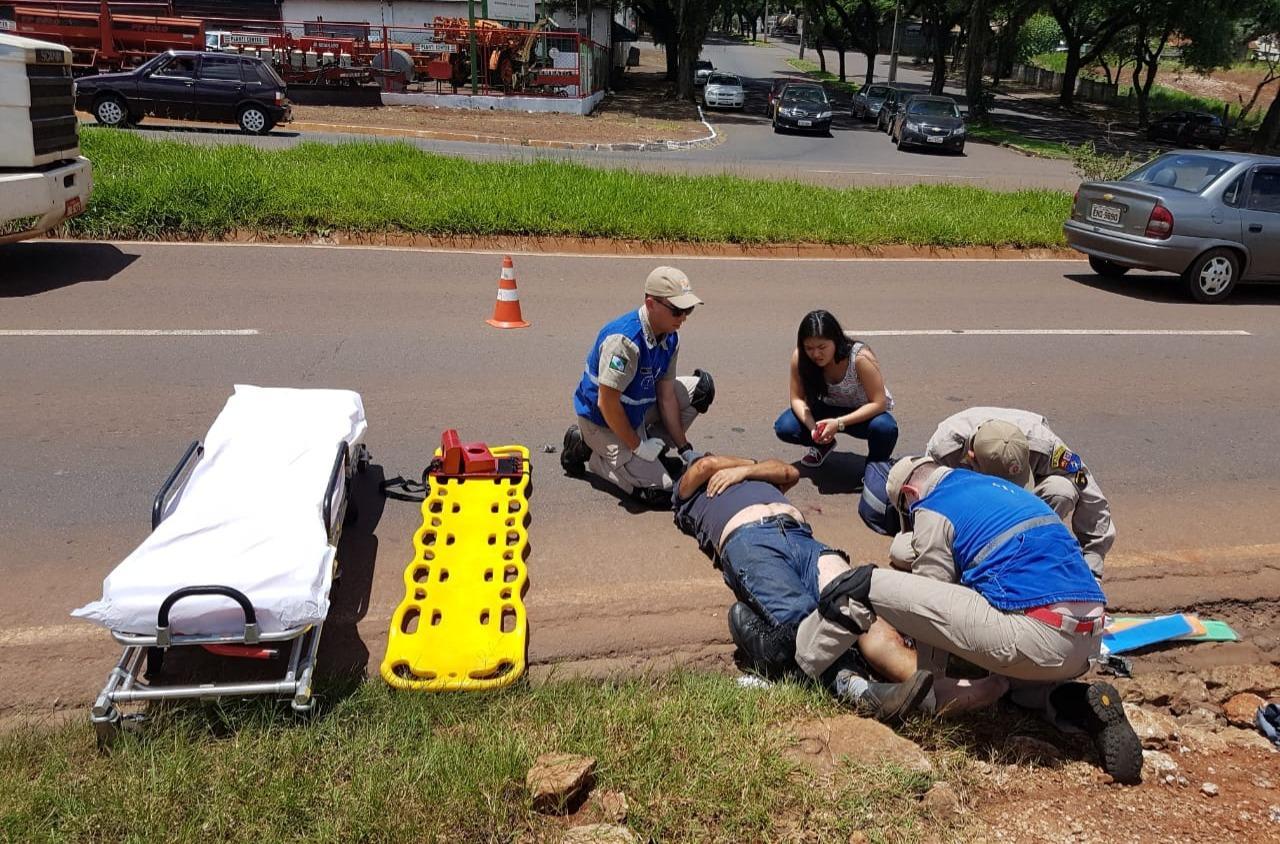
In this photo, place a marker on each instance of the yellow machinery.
(461, 625)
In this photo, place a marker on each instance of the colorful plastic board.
(461, 625)
(1148, 633)
(1213, 631)
(1116, 624)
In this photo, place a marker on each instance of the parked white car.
(724, 90)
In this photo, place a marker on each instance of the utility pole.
(800, 27)
(893, 45)
(765, 22)
(475, 53)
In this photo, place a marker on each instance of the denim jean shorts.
(772, 565)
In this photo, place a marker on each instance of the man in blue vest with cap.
(631, 407)
(996, 579)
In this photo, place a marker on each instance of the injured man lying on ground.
(738, 511)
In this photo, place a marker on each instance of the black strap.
(401, 488)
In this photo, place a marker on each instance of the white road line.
(128, 332)
(647, 256)
(1069, 332)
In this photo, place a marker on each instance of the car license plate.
(73, 207)
(1108, 214)
(935, 139)
(804, 122)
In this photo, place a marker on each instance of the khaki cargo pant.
(614, 462)
(947, 618)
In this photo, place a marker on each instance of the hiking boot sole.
(1117, 744)
(574, 465)
(920, 684)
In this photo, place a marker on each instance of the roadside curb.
(605, 246)
(537, 143)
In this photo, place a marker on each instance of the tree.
(938, 18)
(1092, 22)
(693, 19)
(661, 18)
(860, 22)
(975, 56)
(1015, 16)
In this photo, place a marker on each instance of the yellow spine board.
(461, 625)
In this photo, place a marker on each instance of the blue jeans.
(772, 565)
(880, 432)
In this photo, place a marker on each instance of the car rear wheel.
(1107, 269)
(1212, 276)
(253, 120)
(111, 111)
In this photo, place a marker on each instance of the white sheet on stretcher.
(249, 517)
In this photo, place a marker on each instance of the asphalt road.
(854, 153)
(1175, 424)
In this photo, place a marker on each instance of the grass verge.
(1022, 143)
(813, 71)
(698, 758)
(167, 189)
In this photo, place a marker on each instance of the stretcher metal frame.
(131, 681)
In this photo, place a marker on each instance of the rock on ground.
(1227, 681)
(557, 779)
(1242, 708)
(599, 833)
(1155, 729)
(942, 803)
(822, 742)
(1156, 765)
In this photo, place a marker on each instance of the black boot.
(704, 392)
(1096, 708)
(574, 455)
(658, 499)
(770, 648)
(890, 702)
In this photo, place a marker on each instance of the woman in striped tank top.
(836, 387)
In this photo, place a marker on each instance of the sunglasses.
(676, 312)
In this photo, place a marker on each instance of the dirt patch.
(607, 246)
(606, 126)
(641, 108)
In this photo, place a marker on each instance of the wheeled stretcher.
(243, 549)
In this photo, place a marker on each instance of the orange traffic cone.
(506, 311)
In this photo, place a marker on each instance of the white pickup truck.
(43, 178)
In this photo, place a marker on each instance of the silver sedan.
(1211, 217)
(724, 90)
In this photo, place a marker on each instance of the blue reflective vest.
(1009, 546)
(642, 393)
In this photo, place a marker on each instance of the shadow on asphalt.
(840, 474)
(200, 129)
(1154, 287)
(35, 267)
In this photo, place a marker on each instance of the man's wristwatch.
(839, 423)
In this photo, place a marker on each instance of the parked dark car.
(933, 122)
(892, 102)
(214, 87)
(1188, 129)
(803, 106)
(775, 91)
(1211, 217)
(867, 102)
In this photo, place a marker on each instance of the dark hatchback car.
(1189, 128)
(892, 102)
(213, 87)
(866, 103)
(932, 122)
(803, 106)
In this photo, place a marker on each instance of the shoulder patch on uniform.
(617, 363)
(1065, 460)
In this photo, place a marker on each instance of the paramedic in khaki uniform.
(629, 403)
(996, 579)
(1018, 445)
